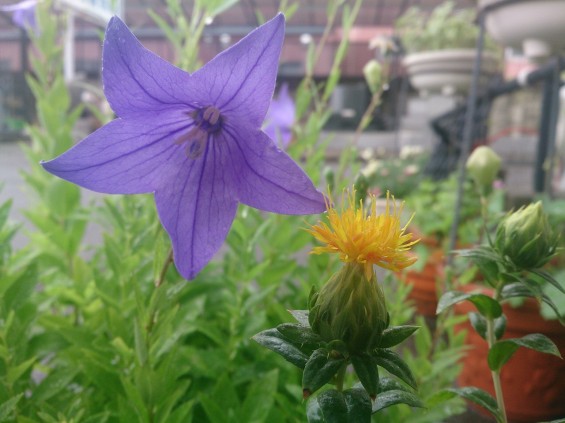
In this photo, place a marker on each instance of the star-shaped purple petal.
(192, 140)
(280, 118)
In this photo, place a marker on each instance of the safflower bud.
(526, 238)
(483, 165)
(350, 308)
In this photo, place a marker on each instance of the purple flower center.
(207, 121)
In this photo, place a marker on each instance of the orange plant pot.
(533, 383)
(424, 284)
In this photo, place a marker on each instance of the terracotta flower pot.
(424, 284)
(533, 383)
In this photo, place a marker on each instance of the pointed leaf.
(275, 341)
(367, 372)
(479, 323)
(487, 306)
(301, 316)
(476, 395)
(4, 212)
(8, 407)
(392, 363)
(502, 351)
(396, 334)
(546, 276)
(390, 384)
(260, 398)
(300, 335)
(14, 373)
(518, 289)
(528, 288)
(396, 396)
(328, 407)
(499, 327)
(319, 370)
(358, 405)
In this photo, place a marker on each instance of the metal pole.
(467, 141)
(547, 129)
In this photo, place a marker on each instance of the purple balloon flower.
(193, 140)
(23, 13)
(280, 118)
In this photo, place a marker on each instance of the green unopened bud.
(373, 72)
(351, 309)
(483, 166)
(526, 238)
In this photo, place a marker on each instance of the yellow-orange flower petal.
(365, 237)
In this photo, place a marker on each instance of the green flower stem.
(491, 339)
(164, 269)
(340, 377)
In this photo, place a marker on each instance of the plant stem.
(164, 269)
(496, 374)
(339, 378)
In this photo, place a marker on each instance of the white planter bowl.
(536, 26)
(447, 71)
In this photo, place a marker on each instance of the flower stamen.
(207, 121)
(365, 237)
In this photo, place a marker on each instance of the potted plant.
(536, 26)
(533, 383)
(441, 49)
(504, 314)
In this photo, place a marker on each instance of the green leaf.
(486, 259)
(140, 344)
(519, 289)
(358, 405)
(476, 395)
(21, 289)
(548, 278)
(502, 351)
(14, 373)
(55, 382)
(8, 407)
(391, 362)
(528, 288)
(349, 406)
(499, 327)
(260, 398)
(328, 407)
(396, 334)
(396, 396)
(479, 323)
(213, 411)
(275, 341)
(487, 306)
(301, 316)
(367, 372)
(4, 212)
(319, 370)
(300, 335)
(390, 384)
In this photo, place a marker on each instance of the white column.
(69, 48)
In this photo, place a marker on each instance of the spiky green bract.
(526, 238)
(350, 308)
